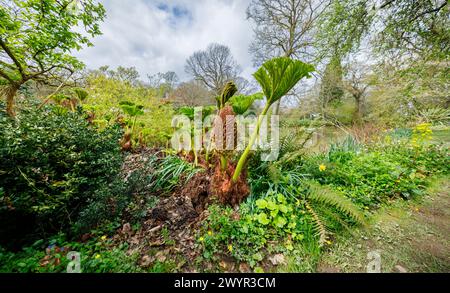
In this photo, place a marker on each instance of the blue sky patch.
(177, 14)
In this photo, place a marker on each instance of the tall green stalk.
(276, 78)
(252, 140)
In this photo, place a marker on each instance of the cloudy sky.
(158, 36)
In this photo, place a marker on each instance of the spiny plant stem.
(247, 150)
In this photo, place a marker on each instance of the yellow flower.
(322, 167)
(97, 256)
(103, 237)
(230, 248)
(201, 239)
(210, 233)
(328, 242)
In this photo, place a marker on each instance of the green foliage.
(108, 92)
(52, 165)
(343, 151)
(81, 94)
(276, 78)
(228, 91)
(131, 108)
(242, 103)
(163, 174)
(435, 115)
(342, 26)
(275, 225)
(327, 205)
(404, 27)
(419, 27)
(413, 94)
(279, 75)
(376, 173)
(98, 255)
(38, 39)
(332, 88)
(190, 111)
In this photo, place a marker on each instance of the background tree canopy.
(37, 38)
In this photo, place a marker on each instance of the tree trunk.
(10, 94)
(359, 110)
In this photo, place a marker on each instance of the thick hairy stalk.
(246, 152)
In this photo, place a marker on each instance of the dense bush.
(52, 164)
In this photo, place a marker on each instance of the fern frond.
(330, 217)
(320, 227)
(326, 196)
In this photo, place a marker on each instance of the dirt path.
(409, 236)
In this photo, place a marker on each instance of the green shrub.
(254, 233)
(98, 255)
(283, 221)
(52, 163)
(378, 172)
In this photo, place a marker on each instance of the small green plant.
(277, 213)
(164, 174)
(133, 110)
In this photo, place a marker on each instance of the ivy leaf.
(272, 205)
(280, 221)
(281, 198)
(274, 213)
(262, 219)
(257, 256)
(261, 203)
(259, 270)
(283, 208)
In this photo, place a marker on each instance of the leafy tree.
(417, 28)
(284, 28)
(341, 28)
(331, 88)
(213, 67)
(123, 74)
(38, 37)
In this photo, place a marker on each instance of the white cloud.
(158, 36)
